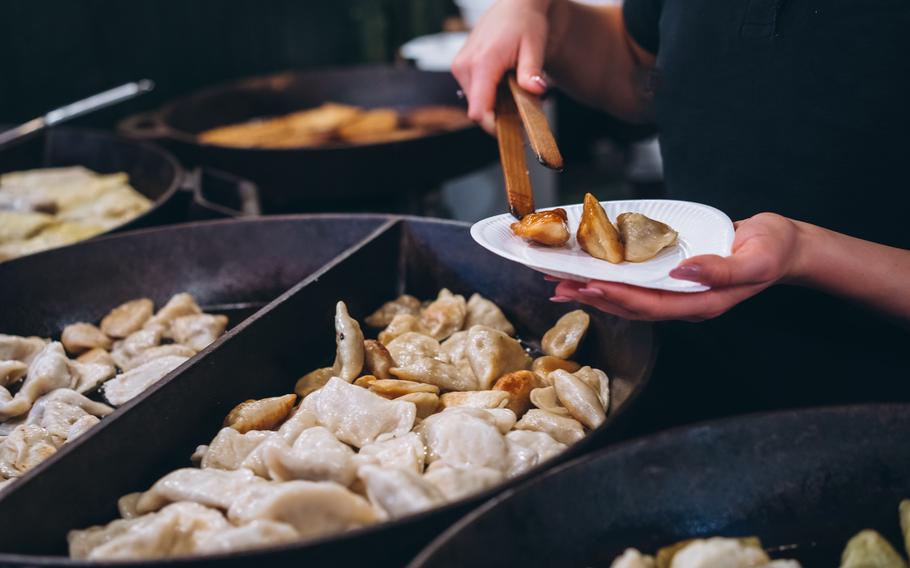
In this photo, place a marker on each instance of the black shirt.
(801, 107)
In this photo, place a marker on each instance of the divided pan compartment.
(264, 355)
(804, 482)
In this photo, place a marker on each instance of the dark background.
(57, 51)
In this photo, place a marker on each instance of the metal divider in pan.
(264, 356)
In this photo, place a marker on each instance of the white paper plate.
(702, 230)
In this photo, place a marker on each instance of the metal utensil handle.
(78, 108)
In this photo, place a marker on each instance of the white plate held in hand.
(702, 230)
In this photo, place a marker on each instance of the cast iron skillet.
(362, 177)
(176, 194)
(365, 261)
(803, 481)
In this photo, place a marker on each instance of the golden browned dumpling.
(544, 227)
(643, 237)
(596, 234)
(370, 125)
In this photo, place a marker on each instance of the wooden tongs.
(516, 107)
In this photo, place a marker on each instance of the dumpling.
(179, 305)
(475, 399)
(518, 385)
(435, 372)
(561, 428)
(452, 349)
(539, 445)
(229, 448)
(399, 492)
(349, 345)
(377, 360)
(579, 399)
(255, 534)
(313, 508)
(89, 376)
(81, 336)
(197, 331)
(127, 318)
(357, 416)
(404, 452)
(599, 383)
(11, 372)
(545, 398)
(59, 411)
(482, 311)
(492, 354)
(708, 553)
(25, 447)
(410, 346)
(156, 352)
(48, 371)
(130, 384)
(444, 316)
(316, 455)
(169, 532)
(548, 228)
(404, 304)
(24, 349)
(563, 339)
(137, 342)
(632, 558)
(262, 414)
(596, 235)
(458, 482)
(464, 437)
(211, 487)
(643, 237)
(401, 324)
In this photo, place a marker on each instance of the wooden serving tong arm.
(517, 110)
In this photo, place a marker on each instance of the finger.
(530, 65)
(488, 123)
(482, 93)
(742, 268)
(602, 305)
(664, 305)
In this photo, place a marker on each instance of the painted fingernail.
(549, 278)
(540, 81)
(460, 94)
(591, 292)
(688, 272)
(560, 299)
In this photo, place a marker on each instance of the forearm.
(592, 58)
(870, 273)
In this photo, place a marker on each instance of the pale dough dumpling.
(579, 399)
(563, 339)
(444, 316)
(348, 344)
(65, 414)
(357, 416)
(313, 508)
(458, 482)
(529, 448)
(492, 354)
(256, 534)
(404, 304)
(404, 452)
(130, 384)
(464, 437)
(316, 455)
(24, 349)
(25, 447)
(712, 552)
(410, 346)
(399, 492)
(562, 428)
(49, 370)
(211, 487)
(197, 331)
(482, 311)
(632, 558)
(435, 372)
(11, 372)
(229, 448)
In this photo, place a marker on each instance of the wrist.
(806, 254)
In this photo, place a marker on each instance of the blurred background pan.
(385, 176)
(802, 481)
(263, 356)
(177, 195)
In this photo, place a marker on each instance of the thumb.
(529, 71)
(720, 272)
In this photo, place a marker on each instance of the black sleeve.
(642, 19)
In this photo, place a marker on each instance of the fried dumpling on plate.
(643, 237)
(548, 228)
(596, 235)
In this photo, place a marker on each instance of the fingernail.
(540, 81)
(687, 272)
(560, 299)
(460, 94)
(592, 292)
(549, 278)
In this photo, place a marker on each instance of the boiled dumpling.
(410, 346)
(464, 437)
(399, 492)
(533, 447)
(211, 487)
(444, 316)
(563, 339)
(458, 482)
(357, 416)
(562, 428)
(255, 534)
(482, 311)
(48, 371)
(316, 455)
(578, 398)
(24, 349)
(435, 372)
(643, 237)
(229, 448)
(59, 411)
(130, 384)
(349, 345)
(197, 331)
(404, 304)
(404, 452)
(313, 508)
(492, 353)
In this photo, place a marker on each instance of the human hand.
(767, 250)
(512, 34)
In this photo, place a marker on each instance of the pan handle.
(143, 126)
(216, 194)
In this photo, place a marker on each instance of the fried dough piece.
(643, 237)
(247, 134)
(369, 124)
(548, 228)
(437, 117)
(322, 120)
(596, 234)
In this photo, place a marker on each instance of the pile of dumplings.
(133, 348)
(445, 403)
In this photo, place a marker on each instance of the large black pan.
(379, 177)
(176, 195)
(803, 481)
(261, 356)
